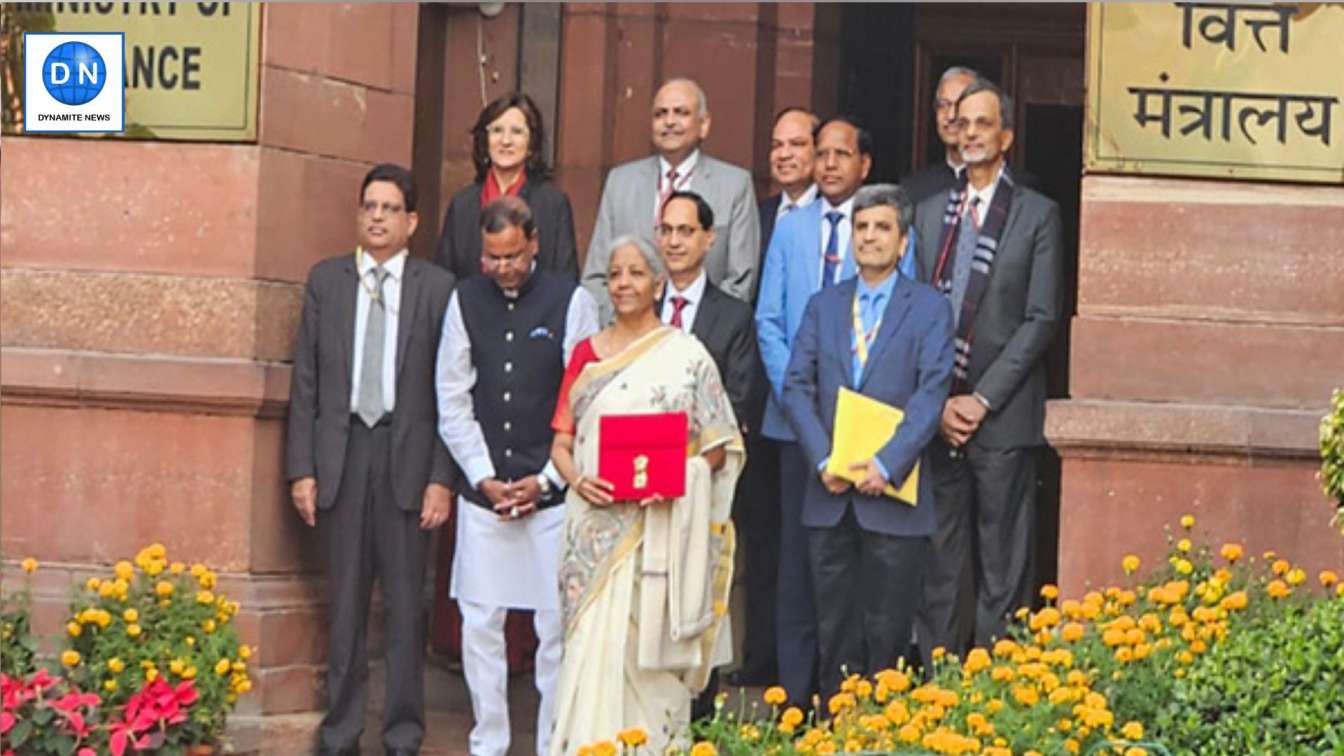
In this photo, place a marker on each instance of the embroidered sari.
(644, 591)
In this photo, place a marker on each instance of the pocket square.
(541, 332)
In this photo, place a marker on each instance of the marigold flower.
(633, 737)
(792, 716)
(1132, 730)
(1183, 566)
(1280, 567)
(244, 651)
(1134, 751)
(1049, 592)
(93, 583)
(133, 630)
(704, 748)
(1130, 564)
(1232, 552)
(1296, 576)
(115, 665)
(1278, 589)
(776, 695)
(130, 615)
(124, 570)
(1328, 578)
(29, 565)
(1184, 545)
(110, 685)
(163, 588)
(1234, 601)
(208, 625)
(222, 667)
(976, 660)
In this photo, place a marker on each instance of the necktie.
(369, 402)
(678, 304)
(665, 192)
(967, 237)
(831, 263)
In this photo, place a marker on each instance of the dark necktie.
(831, 262)
(678, 304)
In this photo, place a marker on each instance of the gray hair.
(695, 87)
(1006, 109)
(887, 195)
(971, 73)
(645, 250)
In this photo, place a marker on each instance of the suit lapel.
(346, 294)
(410, 293)
(891, 322)
(700, 327)
(842, 327)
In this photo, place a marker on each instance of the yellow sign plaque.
(1217, 89)
(191, 68)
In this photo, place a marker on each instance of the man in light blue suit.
(809, 250)
(887, 337)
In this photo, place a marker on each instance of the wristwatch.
(544, 485)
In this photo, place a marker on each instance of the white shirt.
(846, 224)
(804, 199)
(395, 267)
(455, 377)
(693, 294)
(684, 173)
(984, 196)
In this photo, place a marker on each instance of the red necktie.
(666, 192)
(678, 304)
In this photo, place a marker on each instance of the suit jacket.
(792, 274)
(1017, 318)
(909, 366)
(767, 208)
(724, 326)
(627, 207)
(935, 178)
(319, 393)
(460, 243)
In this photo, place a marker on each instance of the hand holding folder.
(863, 426)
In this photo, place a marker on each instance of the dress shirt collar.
(693, 293)
(984, 195)
(804, 199)
(685, 169)
(883, 289)
(957, 168)
(394, 265)
(846, 208)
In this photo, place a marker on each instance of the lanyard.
(863, 341)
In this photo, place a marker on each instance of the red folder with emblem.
(643, 455)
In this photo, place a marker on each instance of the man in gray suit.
(993, 248)
(635, 191)
(365, 465)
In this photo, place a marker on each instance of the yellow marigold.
(1339, 590)
(1187, 521)
(1232, 552)
(1184, 545)
(633, 737)
(839, 702)
(1328, 578)
(1049, 592)
(124, 570)
(244, 651)
(1135, 751)
(110, 686)
(70, 658)
(208, 625)
(222, 667)
(1005, 648)
(1130, 564)
(1280, 566)
(1045, 618)
(704, 748)
(1296, 576)
(189, 673)
(792, 716)
(177, 568)
(994, 705)
(1183, 566)
(133, 630)
(1027, 696)
(776, 695)
(93, 583)
(976, 661)
(1132, 730)
(1234, 601)
(115, 665)
(29, 565)
(908, 733)
(74, 629)
(1278, 589)
(205, 597)
(938, 653)
(163, 588)
(177, 666)
(131, 615)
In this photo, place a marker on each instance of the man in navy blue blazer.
(887, 337)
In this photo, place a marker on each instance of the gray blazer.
(1017, 318)
(319, 393)
(627, 207)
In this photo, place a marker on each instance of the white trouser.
(486, 665)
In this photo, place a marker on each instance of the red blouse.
(563, 420)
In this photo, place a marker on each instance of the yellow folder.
(864, 425)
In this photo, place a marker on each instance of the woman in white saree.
(644, 585)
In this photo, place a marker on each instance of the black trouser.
(797, 611)
(757, 520)
(868, 586)
(365, 535)
(986, 506)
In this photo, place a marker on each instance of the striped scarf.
(986, 244)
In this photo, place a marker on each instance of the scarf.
(490, 190)
(996, 216)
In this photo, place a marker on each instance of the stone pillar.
(1208, 337)
(151, 294)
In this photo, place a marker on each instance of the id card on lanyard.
(863, 340)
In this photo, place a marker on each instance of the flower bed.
(1209, 655)
(150, 662)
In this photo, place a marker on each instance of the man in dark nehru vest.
(507, 337)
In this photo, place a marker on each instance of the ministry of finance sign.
(1216, 89)
(190, 67)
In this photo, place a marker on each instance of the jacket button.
(508, 452)
(508, 426)
(508, 367)
(510, 306)
(508, 396)
(508, 335)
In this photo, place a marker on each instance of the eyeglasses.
(388, 208)
(682, 232)
(495, 262)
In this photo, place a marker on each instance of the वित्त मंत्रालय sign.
(189, 70)
(1217, 90)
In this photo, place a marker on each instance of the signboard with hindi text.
(1217, 89)
(190, 68)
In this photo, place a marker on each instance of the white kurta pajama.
(501, 564)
